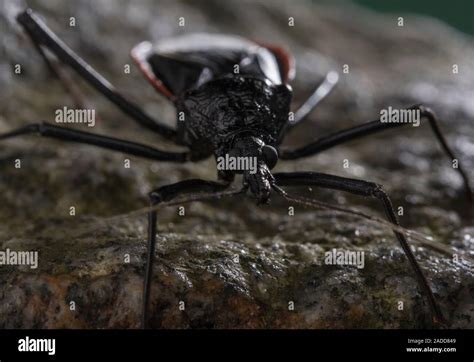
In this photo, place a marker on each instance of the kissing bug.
(235, 97)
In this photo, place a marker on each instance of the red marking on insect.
(286, 61)
(139, 54)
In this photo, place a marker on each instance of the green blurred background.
(457, 13)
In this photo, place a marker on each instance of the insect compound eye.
(270, 156)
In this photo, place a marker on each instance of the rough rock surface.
(233, 264)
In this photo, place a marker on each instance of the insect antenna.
(96, 224)
(424, 239)
(178, 201)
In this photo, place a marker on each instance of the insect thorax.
(218, 110)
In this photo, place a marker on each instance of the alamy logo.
(28, 344)
(12, 257)
(68, 115)
(393, 115)
(232, 163)
(344, 257)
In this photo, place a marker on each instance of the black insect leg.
(369, 128)
(317, 96)
(321, 91)
(163, 194)
(367, 189)
(57, 70)
(111, 143)
(41, 35)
